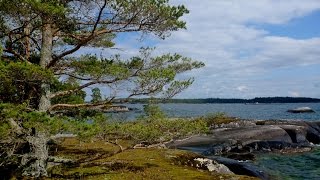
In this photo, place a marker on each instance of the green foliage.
(93, 68)
(48, 32)
(96, 95)
(74, 25)
(142, 75)
(77, 97)
(159, 73)
(20, 81)
(217, 119)
(159, 130)
(30, 119)
(153, 11)
(4, 129)
(154, 127)
(152, 112)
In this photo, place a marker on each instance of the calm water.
(297, 166)
(250, 111)
(280, 167)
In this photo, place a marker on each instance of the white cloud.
(294, 94)
(222, 34)
(242, 88)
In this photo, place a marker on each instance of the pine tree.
(39, 38)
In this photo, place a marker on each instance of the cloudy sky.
(250, 48)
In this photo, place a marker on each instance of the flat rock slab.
(267, 136)
(241, 140)
(266, 132)
(241, 135)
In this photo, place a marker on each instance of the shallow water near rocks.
(279, 166)
(299, 166)
(294, 166)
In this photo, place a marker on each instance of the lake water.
(245, 111)
(291, 167)
(296, 167)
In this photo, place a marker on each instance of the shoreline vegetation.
(153, 147)
(102, 148)
(256, 100)
(48, 129)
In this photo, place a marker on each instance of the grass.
(100, 160)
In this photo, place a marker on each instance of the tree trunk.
(33, 149)
(45, 59)
(35, 162)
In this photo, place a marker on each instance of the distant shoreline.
(258, 100)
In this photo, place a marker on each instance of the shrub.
(217, 119)
(153, 127)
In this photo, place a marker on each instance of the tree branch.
(74, 76)
(96, 33)
(85, 105)
(64, 93)
(17, 55)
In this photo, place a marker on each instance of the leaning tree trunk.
(45, 59)
(34, 163)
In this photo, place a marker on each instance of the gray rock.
(245, 134)
(301, 110)
(241, 168)
(212, 166)
(268, 136)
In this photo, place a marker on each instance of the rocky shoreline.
(234, 143)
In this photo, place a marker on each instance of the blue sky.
(304, 27)
(250, 48)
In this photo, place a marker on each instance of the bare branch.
(16, 54)
(74, 76)
(84, 105)
(99, 17)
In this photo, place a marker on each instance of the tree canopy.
(41, 74)
(47, 33)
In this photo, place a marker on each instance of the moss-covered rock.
(102, 160)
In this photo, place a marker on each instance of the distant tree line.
(232, 100)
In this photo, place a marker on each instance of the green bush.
(153, 127)
(217, 119)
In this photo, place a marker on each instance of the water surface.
(245, 111)
(280, 167)
(295, 167)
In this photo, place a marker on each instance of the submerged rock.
(242, 156)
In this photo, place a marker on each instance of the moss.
(129, 164)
